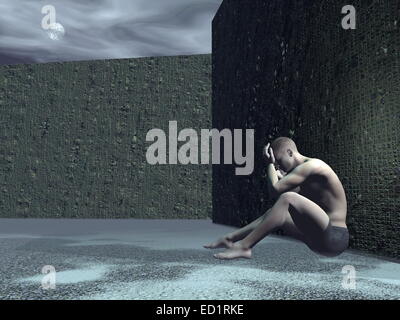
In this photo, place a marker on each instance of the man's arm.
(295, 178)
(272, 180)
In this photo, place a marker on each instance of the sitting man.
(311, 206)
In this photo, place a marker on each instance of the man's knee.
(287, 197)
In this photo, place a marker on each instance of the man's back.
(325, 189)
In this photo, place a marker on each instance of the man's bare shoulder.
(310, 167)
(320, 167)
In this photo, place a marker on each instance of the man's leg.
(291, 230)
(308, 217)
(243, 232)
(227, 240)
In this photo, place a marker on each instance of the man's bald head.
(281, 144)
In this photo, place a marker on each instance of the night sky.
(105, 29)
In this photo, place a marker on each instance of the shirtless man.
(311, 206)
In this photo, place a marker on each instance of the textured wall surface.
(73, 138)
(288, 68)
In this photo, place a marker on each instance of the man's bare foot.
(236, 251)
(223, 242)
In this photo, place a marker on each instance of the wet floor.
(164, 259)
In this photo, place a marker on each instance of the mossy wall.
(288, 68)
(73, 138)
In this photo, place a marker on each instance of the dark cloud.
(105, 29)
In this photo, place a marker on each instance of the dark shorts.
(335, 240)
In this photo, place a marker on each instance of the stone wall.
(73, 138)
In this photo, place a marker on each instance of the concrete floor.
(164, 259)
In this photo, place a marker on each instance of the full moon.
(56, 31)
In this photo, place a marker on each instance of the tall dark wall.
(73, 138)
(288, 68)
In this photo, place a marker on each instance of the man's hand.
(269, 154)
(279, 174)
